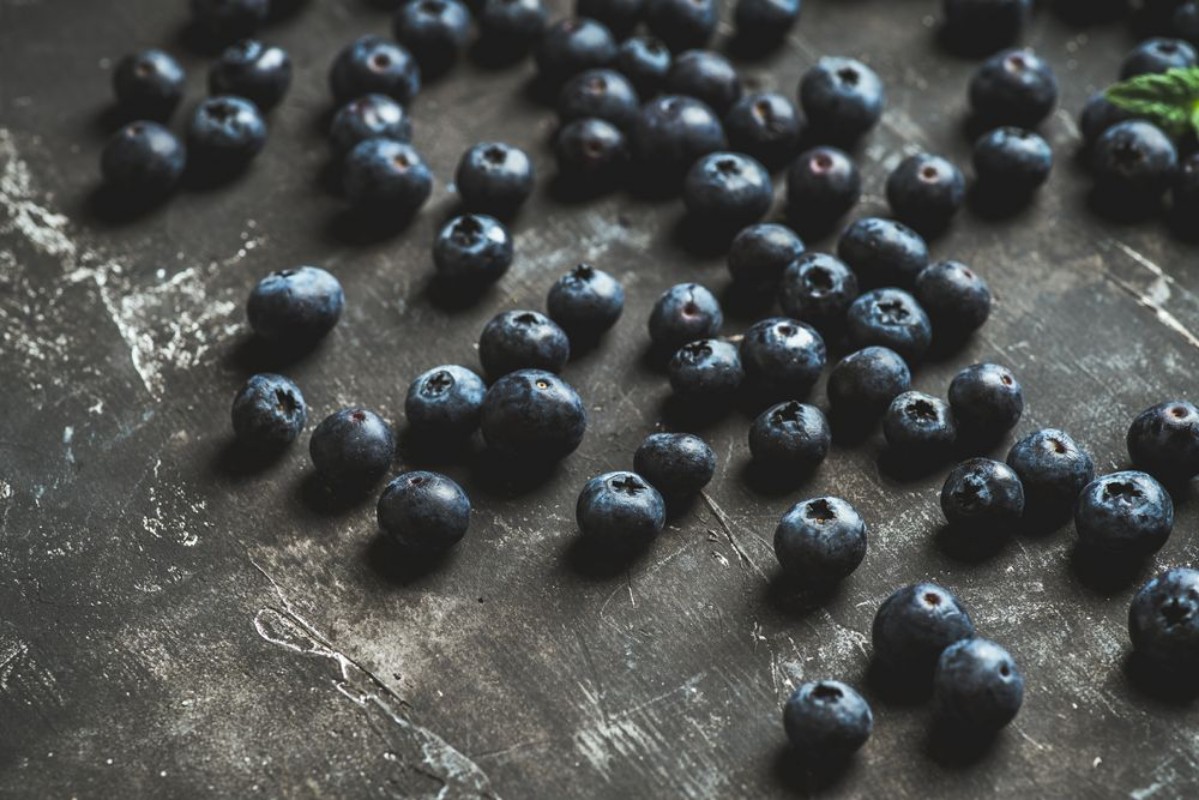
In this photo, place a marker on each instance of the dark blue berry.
(1053, 470)
(585, 302)
(1163, 622)
(823, 185)
(618, 16)
(1184, 196)
(522, 340)
(764, 23)
(227, 20)
(706, 76)
(269, 411)
(225, 133)
(982, 494)
(986, 399)
(920, 426)
(926, 191)
(295, 305)
(827, 719)
(914, 626)
(683, 24)
(984, 26)
(434, 31)
(445, 402)
(1097, 116)
(842, 98)
(957, 299)
(386, 177)
(149, 84)
(890, 318)
(143, 161)
(1164, 441)
(352, 448)
(820, 541)
(672, 132)
(424, 512)
(494, 178)
(791, 436)
(374, 65)
(677, 464)
(882, 252)
(508, 29)
(373, 116)
(1012, 162)
(865, 382)
(533, 414)
(1124, 514)
(760, 253)
(1134, 162)
(472, 251)
(767, 126)
(977, 688)
(253, 70)
(818, 289)
(1015, 87)
(727, 191)
(645, 61)
(682, 314)
(571, 46)
(785, 357)
(620, 510)
(600, 93)
(706, 370)
(593, 155)
(1158, 55)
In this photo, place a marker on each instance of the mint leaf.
(1169, 99)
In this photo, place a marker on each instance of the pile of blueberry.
(660, 111)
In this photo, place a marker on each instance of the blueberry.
(494, 178)
(677, 464)
(842, 98)
(522, 340)
(706, 76)
(269, 411)
(926, 192)
(253, 70)
(352, 448)
(784, 356)
(986, 400)
(1164, 441)
(914, 626)
(682, 314)
(982, 494)
(374, 65)
(683, 24)
(1013, 88)
(618, 16)
(1134, 162)
(227, 20)
(1097, 116)
(920, 426)
(984, 26)
(977, 688)
(827, 719)
(225, 133)
(1163, 621)
(766, 126)
(645, 61)
(424, 512)
(1158, 55)
(823, 185)
(593, 155)
(1124, 514)
(672, 132)
(620, 510)
(295, 305)
(882, 252)
(1184, 196)
(957, 299)
(372, 116)
(865, 382)
(435, 32)
(891, 318)
(508, 29)
(535, 414)
(600, 93)
(571, 46)
(386, 177)
(149, 84)
(760, 253)
(820, 541)
(585, 302)
(727, 191)
(1012, 162)
(143, 161)
(1053, 470)
(445, 402)
(472, 251)
(818, 289)
(706, 370)
(764, 23)
(792, 436)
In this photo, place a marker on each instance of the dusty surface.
(171, 627)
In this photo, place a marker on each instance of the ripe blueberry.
(986, 399)
(920, 426)
(706, 370)
(1134, 162)
(891, 318)
(820, 541)
(683, 24)
(682, 314)
(1015, 87)
(882, 252)
(1052, 469)
(473, 250)
(386, 177)
(225, 133)
(1156, 56)
(677, 464)
(865, 382)
(760, 253)
(823, 185)
(957, 299)
(599, 93)
(706, 76)
(269, 411)
(149, 84)
(424, 512)
(914, 626)
(764, 23)
(374, 65)
(352, 448)
(433, 31)
(672, 132)
(253, 70)
(445, 403)
(533, 414)
(818, 289)
(645, 61)
(793, 436)
(1012, 163)
(1163, 622)
(522, 340)
(619, 16)
(571, 46)
(1164, 441)
(727, 191)
(585, 302)
(981, 493)
(508, 29)
(620, 510)
(593, 155)
(494, 178)
(295, 305)
(977, 688)
(783, 356)
(926, 192)
(1124, 514)
(227, 20)
(766, 126)
(842, 98)
(827, 719)
(143, 161)
(369, 117)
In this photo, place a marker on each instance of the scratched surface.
(170, 626)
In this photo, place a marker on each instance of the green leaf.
(1168, 99)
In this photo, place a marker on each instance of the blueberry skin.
(677, 464)
(790, 435)
(1163, 621)
(765, 23)
(842, 98)
(621, 510)
(352, 448)
(926, 191)
(784, 356)
(827, 719)
(706, 76)
(253, 70)
(510, 28)
(1012, 162)
(920, 426)
(374, 65)
(585, 302)
(761, 253)
(706, 370)
(882, 252)
(424, 512)
(672, 132)
(534, 414)
(1164, 441)
(295, 305)
(982, 493)
(435, 32)
(571, 46)
(1134, 160)
(865, 382)
(227, 20)
(1053, 470)
(683, 24)
(766, 126)
(383, 176)
(445, 402)
(269, 410)
(225, 133)
(618, 16)
(1015, 87)
(1124, 514)
(983, 26)
(522, 340)
(149, 84)
(891, 318)
(593, 155)
(727, 191)
(602, 94)
(373, 116)
(820, 541)
(957, 299)
(645, 61)
(914, 625)
(494, 178)
(1097, 116)
(977, 687)
(473, 250)
(1154, 56)
(823, 185)
(684, 313)
(986, 399)
(143, 160)
(818, 289)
